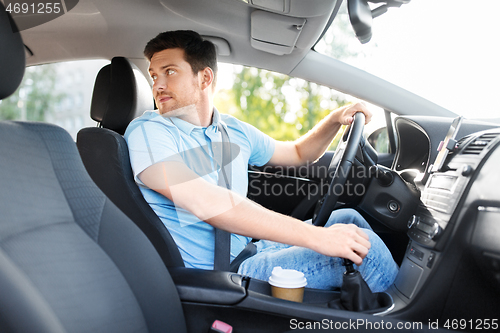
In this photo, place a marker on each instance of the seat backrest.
(70, 260)
(12, 56)
(121, 93)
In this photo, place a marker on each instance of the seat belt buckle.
(220, 327)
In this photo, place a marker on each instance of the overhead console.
(275, 33)
(280, 26)
(297, 8)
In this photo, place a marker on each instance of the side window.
(279, 105)
(57, 93)
(380, 140)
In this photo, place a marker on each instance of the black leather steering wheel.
(339, 168)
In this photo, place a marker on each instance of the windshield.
(445, 51)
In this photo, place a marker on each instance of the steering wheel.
(340, 167)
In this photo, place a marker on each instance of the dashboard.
(445, 188)
(414, 146)
(458, 217)
(419, 138)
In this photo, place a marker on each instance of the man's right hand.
(342, 240)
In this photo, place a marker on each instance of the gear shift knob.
(355, 294)
(349, 266)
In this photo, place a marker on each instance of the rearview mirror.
(361, 15)
(361, 19)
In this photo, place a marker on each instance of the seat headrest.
(121, 93)
(12, 56)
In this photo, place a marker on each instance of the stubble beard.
(184, 108)
(174, 107)
(187, 110)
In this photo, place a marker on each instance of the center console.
(226, 288)
(446, 180)
(235, 299)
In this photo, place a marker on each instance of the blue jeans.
(322, 272)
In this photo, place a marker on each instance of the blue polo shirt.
(152, 138)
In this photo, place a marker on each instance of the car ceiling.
(255, 33)
(108, 28)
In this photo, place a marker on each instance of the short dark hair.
(198, 52)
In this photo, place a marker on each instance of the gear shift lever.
(355, 294)
(349, 266)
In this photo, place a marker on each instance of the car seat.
(70, 260)
(122, 93)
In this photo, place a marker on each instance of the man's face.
(176, 88)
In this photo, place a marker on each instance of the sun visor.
(221, 44)
(275, 33)
(282, 6)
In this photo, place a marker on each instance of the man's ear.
(206, 77)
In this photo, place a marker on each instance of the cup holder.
(324, 298)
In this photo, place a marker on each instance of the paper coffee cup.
(287, 284)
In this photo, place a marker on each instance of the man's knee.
(378, 248)
(347, 216)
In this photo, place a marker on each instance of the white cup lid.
(287, 278)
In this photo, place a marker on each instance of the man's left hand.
(345, 114)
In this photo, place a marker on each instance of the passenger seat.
(70, 260)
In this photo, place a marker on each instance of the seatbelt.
(222, 253)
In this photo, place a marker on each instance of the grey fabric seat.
(89, 264)
(70, 260)
(121, 93)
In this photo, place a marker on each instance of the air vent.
(477, 146)
(461, 142)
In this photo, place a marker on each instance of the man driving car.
(176, 154)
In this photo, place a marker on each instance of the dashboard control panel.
(445, 187)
